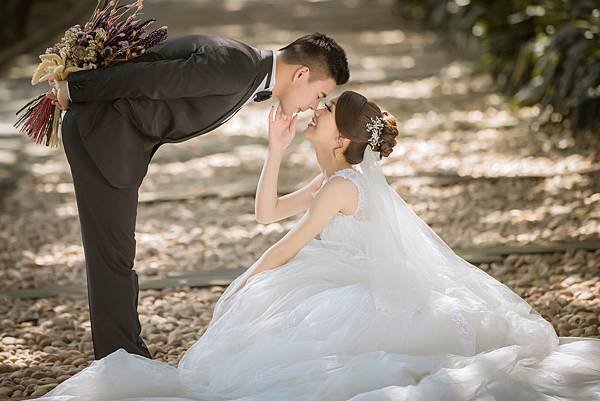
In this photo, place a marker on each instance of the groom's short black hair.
(321, 54)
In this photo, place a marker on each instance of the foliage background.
(544, 52)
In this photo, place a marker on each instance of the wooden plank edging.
(224, 276)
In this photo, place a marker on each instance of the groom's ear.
(302, 72)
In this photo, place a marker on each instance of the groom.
(118, 117)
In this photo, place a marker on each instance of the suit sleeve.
(207, 71)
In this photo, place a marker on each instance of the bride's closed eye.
(327, 106)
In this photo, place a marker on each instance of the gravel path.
(479, 172)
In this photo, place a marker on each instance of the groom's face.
(305, 94)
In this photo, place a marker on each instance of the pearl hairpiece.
(375, 127)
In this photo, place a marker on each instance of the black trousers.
(107, 217)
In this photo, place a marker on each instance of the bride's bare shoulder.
(341, 192)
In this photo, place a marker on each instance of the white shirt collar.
(273, 70)
(262, 86)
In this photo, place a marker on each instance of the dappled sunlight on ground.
(478, 171)
(470, 165)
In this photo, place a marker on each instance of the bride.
(359, 301)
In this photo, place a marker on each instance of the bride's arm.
(268, 206)
(336, 195)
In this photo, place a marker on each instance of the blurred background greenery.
(541, 52)
(544, 52)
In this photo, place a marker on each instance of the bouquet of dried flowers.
(112, 34)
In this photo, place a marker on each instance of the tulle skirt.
(332, 324)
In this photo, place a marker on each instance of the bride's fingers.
(271, 113)
(293, 123)
(278, 114)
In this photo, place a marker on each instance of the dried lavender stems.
(112, 34)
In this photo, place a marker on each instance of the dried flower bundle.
(112, 34)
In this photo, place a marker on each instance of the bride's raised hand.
(282, 129)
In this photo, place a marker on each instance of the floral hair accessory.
(375, 128)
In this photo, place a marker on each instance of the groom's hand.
(60, 96)
(282, 129)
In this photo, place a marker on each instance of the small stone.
(5, 368)
(585, 295)
(174, 338)
(43, 389)
(58, 344)
(12, 341)
(61, 308)
(47, 380)
(38, 375)
(79, 361)
(16, 374)
(564, 328)
(62, 378)
(152, 348)
(158, 338)
(575, 320)
(63, 323)
(553, 307)
(577, 332)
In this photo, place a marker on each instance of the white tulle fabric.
(379, 308)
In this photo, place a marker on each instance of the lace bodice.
(347, 228)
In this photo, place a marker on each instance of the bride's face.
(321, 131)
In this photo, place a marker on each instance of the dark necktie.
(262, 96)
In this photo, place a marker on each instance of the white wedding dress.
(378, 308)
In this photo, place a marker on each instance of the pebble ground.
(479, 172)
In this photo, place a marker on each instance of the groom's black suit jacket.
(183, 87)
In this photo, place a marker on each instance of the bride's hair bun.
(353, 112)
(389, 134)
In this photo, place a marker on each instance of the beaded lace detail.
(348, 228)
